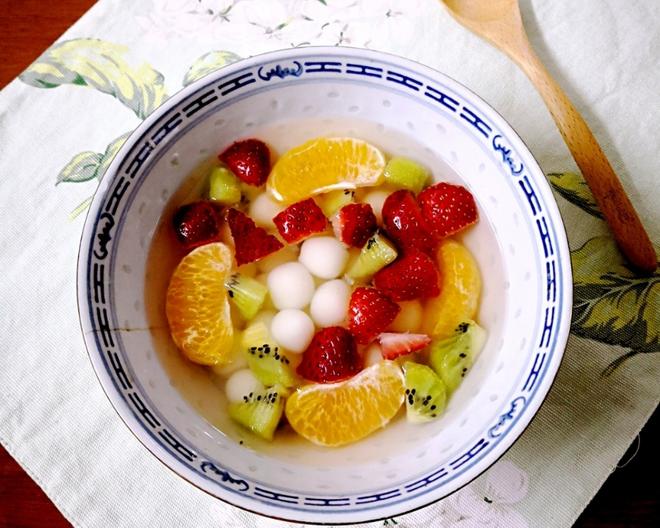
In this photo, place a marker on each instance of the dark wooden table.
(629, 499)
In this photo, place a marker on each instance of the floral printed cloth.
(63, 120)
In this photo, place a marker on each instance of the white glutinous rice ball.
(290, 286)
(409, 319)
(241, 383)
(372, 355)
(262, 210)
(325, 256)
(292, 330)
(376, 199)
(330, 303)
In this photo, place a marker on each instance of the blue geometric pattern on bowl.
(302, 65)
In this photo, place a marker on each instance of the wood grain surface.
(629, 499)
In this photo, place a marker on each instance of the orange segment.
(197, 307)
(324, 164)
(340, 413)
(460, 286)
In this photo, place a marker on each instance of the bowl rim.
(166, 457)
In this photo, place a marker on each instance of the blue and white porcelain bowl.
(405, 108)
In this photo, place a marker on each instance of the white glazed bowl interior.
(406, 109)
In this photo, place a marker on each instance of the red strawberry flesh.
(198, 223)
(331, 356)
(447, 208)
(370, 312)
(393, 345)
(412, 276)
(300, 220)
(354, 224)
(405, 224)
(249, 159)
(251, 242)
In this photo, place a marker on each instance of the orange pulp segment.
(325, 164)
(335, 414)
(197, 307)
(460, 287)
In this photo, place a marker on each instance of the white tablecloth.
(58, 126)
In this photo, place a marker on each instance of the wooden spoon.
(500, 23)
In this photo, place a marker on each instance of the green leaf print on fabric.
(100, 65)
(88, 165)
(81, 168)
(572, 187)
(611, 304)
(209, 63)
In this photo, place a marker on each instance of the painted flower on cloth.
(505, 485)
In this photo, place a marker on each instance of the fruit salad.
(328, 289)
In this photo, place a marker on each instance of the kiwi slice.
(426, 393)
(265, 359)
(246, 293)
(452, 357)
(224, 187)
(377, 253)
(259, 411)
(333, 201)
(404, 173)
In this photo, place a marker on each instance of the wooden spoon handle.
(606, 187)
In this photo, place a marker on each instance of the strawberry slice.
(331, 356)
(300, 220)
(370, 312)
(447, 208)
(405, 224)
(412, 276)
(393, 345)
(249, 159)
(354, 224)
(198, 223)
(251, 242)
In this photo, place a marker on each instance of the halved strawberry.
(331, 356)
(370, 312)
(354, 224)
(300, 220)
(393, 345)
(198, 223)
(447, 208)
(251, 242)
(412, 276)
(249, 159)
(405, 224)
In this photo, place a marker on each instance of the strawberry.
(354, 224)
(251, 242)
(331, 356)
(447, 208)
(249, 159)
(370, 312)
(198, 223)
(412, 276)
(300, 220)
(405, 224)
(393, 345)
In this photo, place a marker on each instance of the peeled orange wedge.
(335, 414)
(325, 164)
(460, 287)
(197, 306)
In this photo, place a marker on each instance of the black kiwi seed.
(433, 407)
(407, 391)
(462, 328)
(259, 397)
(230, 293)
(462, 354)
